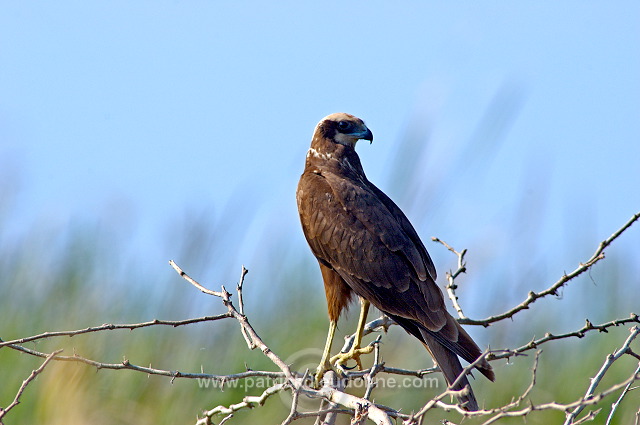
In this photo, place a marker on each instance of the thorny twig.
(449, 391)
(355, 406)
(247, 401)
(294, 402)
(239, 289)
(503, 354)
(553, 289)
(580, 333)
(506, 411)
(126, 364)
(373, 371)
(253, 339)
(110, 327)
(595, 381)
(624, 392)
(30, 378)
(331, 380)
(452, 275)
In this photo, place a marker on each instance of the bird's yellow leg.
(355, 352)
(325, 365)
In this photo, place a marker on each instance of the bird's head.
(343, 128)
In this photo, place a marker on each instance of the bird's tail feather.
(449, 364)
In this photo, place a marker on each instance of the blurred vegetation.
(62, 278)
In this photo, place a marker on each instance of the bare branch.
(450, 392)
(193, 282)
(501, 412)
(126, 364)
(595, 381)
(247, 402)
(30, 378)
(533, 344)
(246, 329)
(362, 408)
(330, 394)
(330, 380)
(553, 289)
(376, 414)
(318, 414)
(246, 336)
(507, 410)
(294, 401)
(243, 273)
(373, 371)
(494, 354)
(361, 415)
(110, 327)
(624, 392)
(451, 276)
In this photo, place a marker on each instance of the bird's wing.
(363, 236)
(372, 245)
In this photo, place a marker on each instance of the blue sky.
(144, 110)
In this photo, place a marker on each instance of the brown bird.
(365, 245)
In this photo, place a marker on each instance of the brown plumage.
(366, 245)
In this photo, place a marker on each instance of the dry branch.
(504, 411)
(329, 393)
(30, 378)
(111, 327)
(580, 333)
(553, 289)
(173, 374)
(572, 409)
(452, 275)
(624, 392)
(595, 381)
(333, 393)
(247, 402)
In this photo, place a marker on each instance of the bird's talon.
(354, 354)
(323, 369)
(351, 368)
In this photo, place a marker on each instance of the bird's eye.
(344, 125)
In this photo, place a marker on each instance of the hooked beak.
(365, 135)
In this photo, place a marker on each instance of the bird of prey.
(366, 246)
